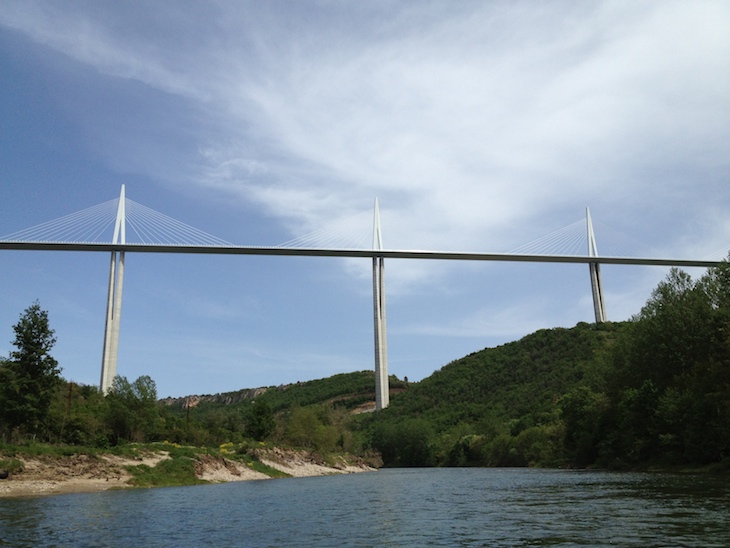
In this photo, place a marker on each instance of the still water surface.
(413, 507)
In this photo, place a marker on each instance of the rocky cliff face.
(226, 398)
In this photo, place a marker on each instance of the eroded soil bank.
(47, 475)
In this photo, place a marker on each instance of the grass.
(258, 466)
(178, 470)
(168, 473)
(11, 465)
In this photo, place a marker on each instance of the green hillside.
(653, 391)
(499, 406)
(520, 380)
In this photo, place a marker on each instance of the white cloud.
(479, 126)
(466, 122)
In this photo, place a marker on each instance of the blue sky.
(479, 126)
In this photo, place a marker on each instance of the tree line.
(654, 390)
(38, 405)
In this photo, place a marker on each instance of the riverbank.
(81, 473)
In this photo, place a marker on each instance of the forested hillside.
(653, 391)
(497, 407)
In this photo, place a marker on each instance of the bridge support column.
(599, 306)
(382, 389)
(114, 303)
(113, 317)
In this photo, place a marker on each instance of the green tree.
(79, 413)
(671, 334)
(28, 379)
(260, 424)
(583, 411)
(309, 428)
(406, 443)
(133, 411)
(670, 385)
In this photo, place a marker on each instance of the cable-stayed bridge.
(148, 231)
(122, 225)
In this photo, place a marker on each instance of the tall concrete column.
(599, 306)
(114, 302)
(382, 389)
(106, 382)
(382, 392)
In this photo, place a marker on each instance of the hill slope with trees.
(653, 391)
(497, 407)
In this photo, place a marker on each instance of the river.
(392, 507)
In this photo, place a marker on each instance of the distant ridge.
(346, 389)
(224, 398)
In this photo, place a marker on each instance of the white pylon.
(114, 302)
(382, 391)
(599, 305)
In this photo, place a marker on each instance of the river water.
(395, 507)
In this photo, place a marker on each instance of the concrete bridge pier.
(114, 303)
(599, 305)
(382, 389)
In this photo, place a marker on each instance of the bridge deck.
(366, 253)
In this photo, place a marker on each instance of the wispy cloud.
(480, 126)
(465, 121)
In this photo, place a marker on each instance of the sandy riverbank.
(86, 474)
